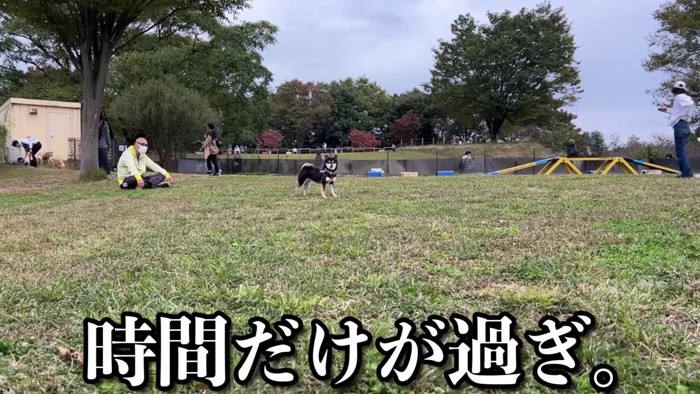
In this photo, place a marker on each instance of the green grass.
(626, 249)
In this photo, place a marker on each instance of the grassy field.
(626, 249)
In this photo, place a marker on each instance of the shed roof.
(43, 103)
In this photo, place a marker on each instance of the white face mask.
(143, 150)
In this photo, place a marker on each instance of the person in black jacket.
(104, 142)
(571, 150)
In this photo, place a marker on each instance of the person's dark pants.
(150, 182)
(682, 133)
(35, 150)
(212, 162)
(103, 157)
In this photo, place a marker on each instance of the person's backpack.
(217, 141)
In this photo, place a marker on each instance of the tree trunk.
(94, 78)
(88, 135)
(495, 129)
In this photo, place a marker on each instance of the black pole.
(387, 163)
(436, 162)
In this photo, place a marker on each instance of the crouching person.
(133, 163)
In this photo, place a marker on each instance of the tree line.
(166, 68)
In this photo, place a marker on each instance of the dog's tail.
(300, 176)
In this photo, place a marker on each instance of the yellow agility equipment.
(608, 163)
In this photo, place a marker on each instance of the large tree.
(225, 67)
(357, 104)
(172, 116)
(518, 68)
(83, 36)
(677, 42)
(433, 125)
(299, 110)
(45, 84)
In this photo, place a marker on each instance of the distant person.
(237, 150)
(134, 163)
(318, 160)
(31, 146)
(211, 150)
(681, 114)
(467, 162)
(104, 142)
(571, 150)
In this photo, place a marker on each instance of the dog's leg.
(333, 190)
(307, 184)
(323, 190)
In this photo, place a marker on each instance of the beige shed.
(55, 123)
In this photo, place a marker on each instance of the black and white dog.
(325, 176)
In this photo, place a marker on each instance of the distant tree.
(82, 36)
(614, 145)
(406, 127)
(519, 67)
(40, 84)
(226, 67)
(596, 143)
(298, 109)
(173, 117)
(270, 139)
(356, 104)
(422, 104)
(557, 135)
(363, 139)
(678, 47)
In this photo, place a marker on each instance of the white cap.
(680, 85)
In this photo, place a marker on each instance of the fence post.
(534, 158)
(484, 156)
(278, 162)
(437, 168)
(387, 163)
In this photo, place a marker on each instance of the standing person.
(31, 146)
(467, 162)
(318, 160)
(681, 114)
(571, 150)
(211, 150)
(104, 142)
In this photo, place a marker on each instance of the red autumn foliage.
(270, 139)
(406, 127)
(363, 139)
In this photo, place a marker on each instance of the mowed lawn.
(626, 249)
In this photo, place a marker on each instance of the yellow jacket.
(133, 164)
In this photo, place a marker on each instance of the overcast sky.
(390, 42)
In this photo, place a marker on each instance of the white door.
(58, 132)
